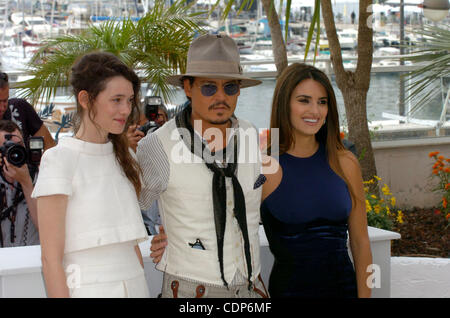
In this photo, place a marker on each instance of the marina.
(24, 32)
(401, 134)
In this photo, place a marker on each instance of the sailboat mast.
(4, 24)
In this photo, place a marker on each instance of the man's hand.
(158, 245)
(19, 174)
(134, 135)
(22, 176)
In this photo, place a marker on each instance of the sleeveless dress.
(305, 220)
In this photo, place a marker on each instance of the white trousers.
(111, 271)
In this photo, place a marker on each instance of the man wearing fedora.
(209, 191)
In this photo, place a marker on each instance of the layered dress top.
(103, 218)
(305, 220)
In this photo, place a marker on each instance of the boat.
(245, 47)
(388, 52)
(348, 39)
(37, 25)
(385, 39)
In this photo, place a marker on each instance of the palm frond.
(434, 56)
(315, 23)
(157, 44)
(288, 16)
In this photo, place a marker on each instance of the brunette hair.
(328, 135)
(9, 126)
(191, 82)
(3, 80)
(91, 73)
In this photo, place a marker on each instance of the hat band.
(219, 67)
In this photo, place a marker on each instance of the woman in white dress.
(88, 213)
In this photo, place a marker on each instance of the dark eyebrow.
(121, 95)
(215, 83)
(306, 96)
(207, 82)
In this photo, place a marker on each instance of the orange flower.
(448, 160)
(435, 171)
(437, 212)
(444, 202)
(432, 154)
(342, 134)
(447, 216)
(441, 158)
(435, 165)
(447, 170)
(447, 186)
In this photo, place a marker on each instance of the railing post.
(443, 117)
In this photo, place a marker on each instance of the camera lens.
(16, 155)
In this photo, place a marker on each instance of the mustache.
(223, 103)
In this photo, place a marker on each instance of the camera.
(18, 155)
(151, 113)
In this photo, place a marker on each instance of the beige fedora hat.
(213, 56)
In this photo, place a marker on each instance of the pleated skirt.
(111, 271)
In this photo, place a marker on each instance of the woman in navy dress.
(315, 195)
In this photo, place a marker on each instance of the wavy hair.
(280, 118)
(91, 73)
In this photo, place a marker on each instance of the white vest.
(187, 212)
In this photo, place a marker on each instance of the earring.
(324, 121)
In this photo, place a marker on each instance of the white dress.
(103, 219)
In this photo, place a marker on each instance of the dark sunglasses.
(4, 77)
(210, 89)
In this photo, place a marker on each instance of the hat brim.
(245, 81)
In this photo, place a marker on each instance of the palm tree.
(434, 55)
(353, 85)
(155, 46)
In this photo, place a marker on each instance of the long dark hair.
(91, 73)
(280, 118)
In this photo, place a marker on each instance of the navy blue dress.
(305, 220)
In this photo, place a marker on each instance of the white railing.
(324, 60)
(325, 64)
(21, 268)
(329, 68)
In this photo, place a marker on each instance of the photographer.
(18, 213)
(23, 114)
(153, 117)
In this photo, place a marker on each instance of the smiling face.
(217, 108)
(111, 108)
(309, 107)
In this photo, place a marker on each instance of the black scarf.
(183, 120)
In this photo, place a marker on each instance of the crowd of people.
(196, 182)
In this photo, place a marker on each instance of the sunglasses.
(4, 77)
(210, 89)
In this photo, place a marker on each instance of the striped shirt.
(155, 168)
